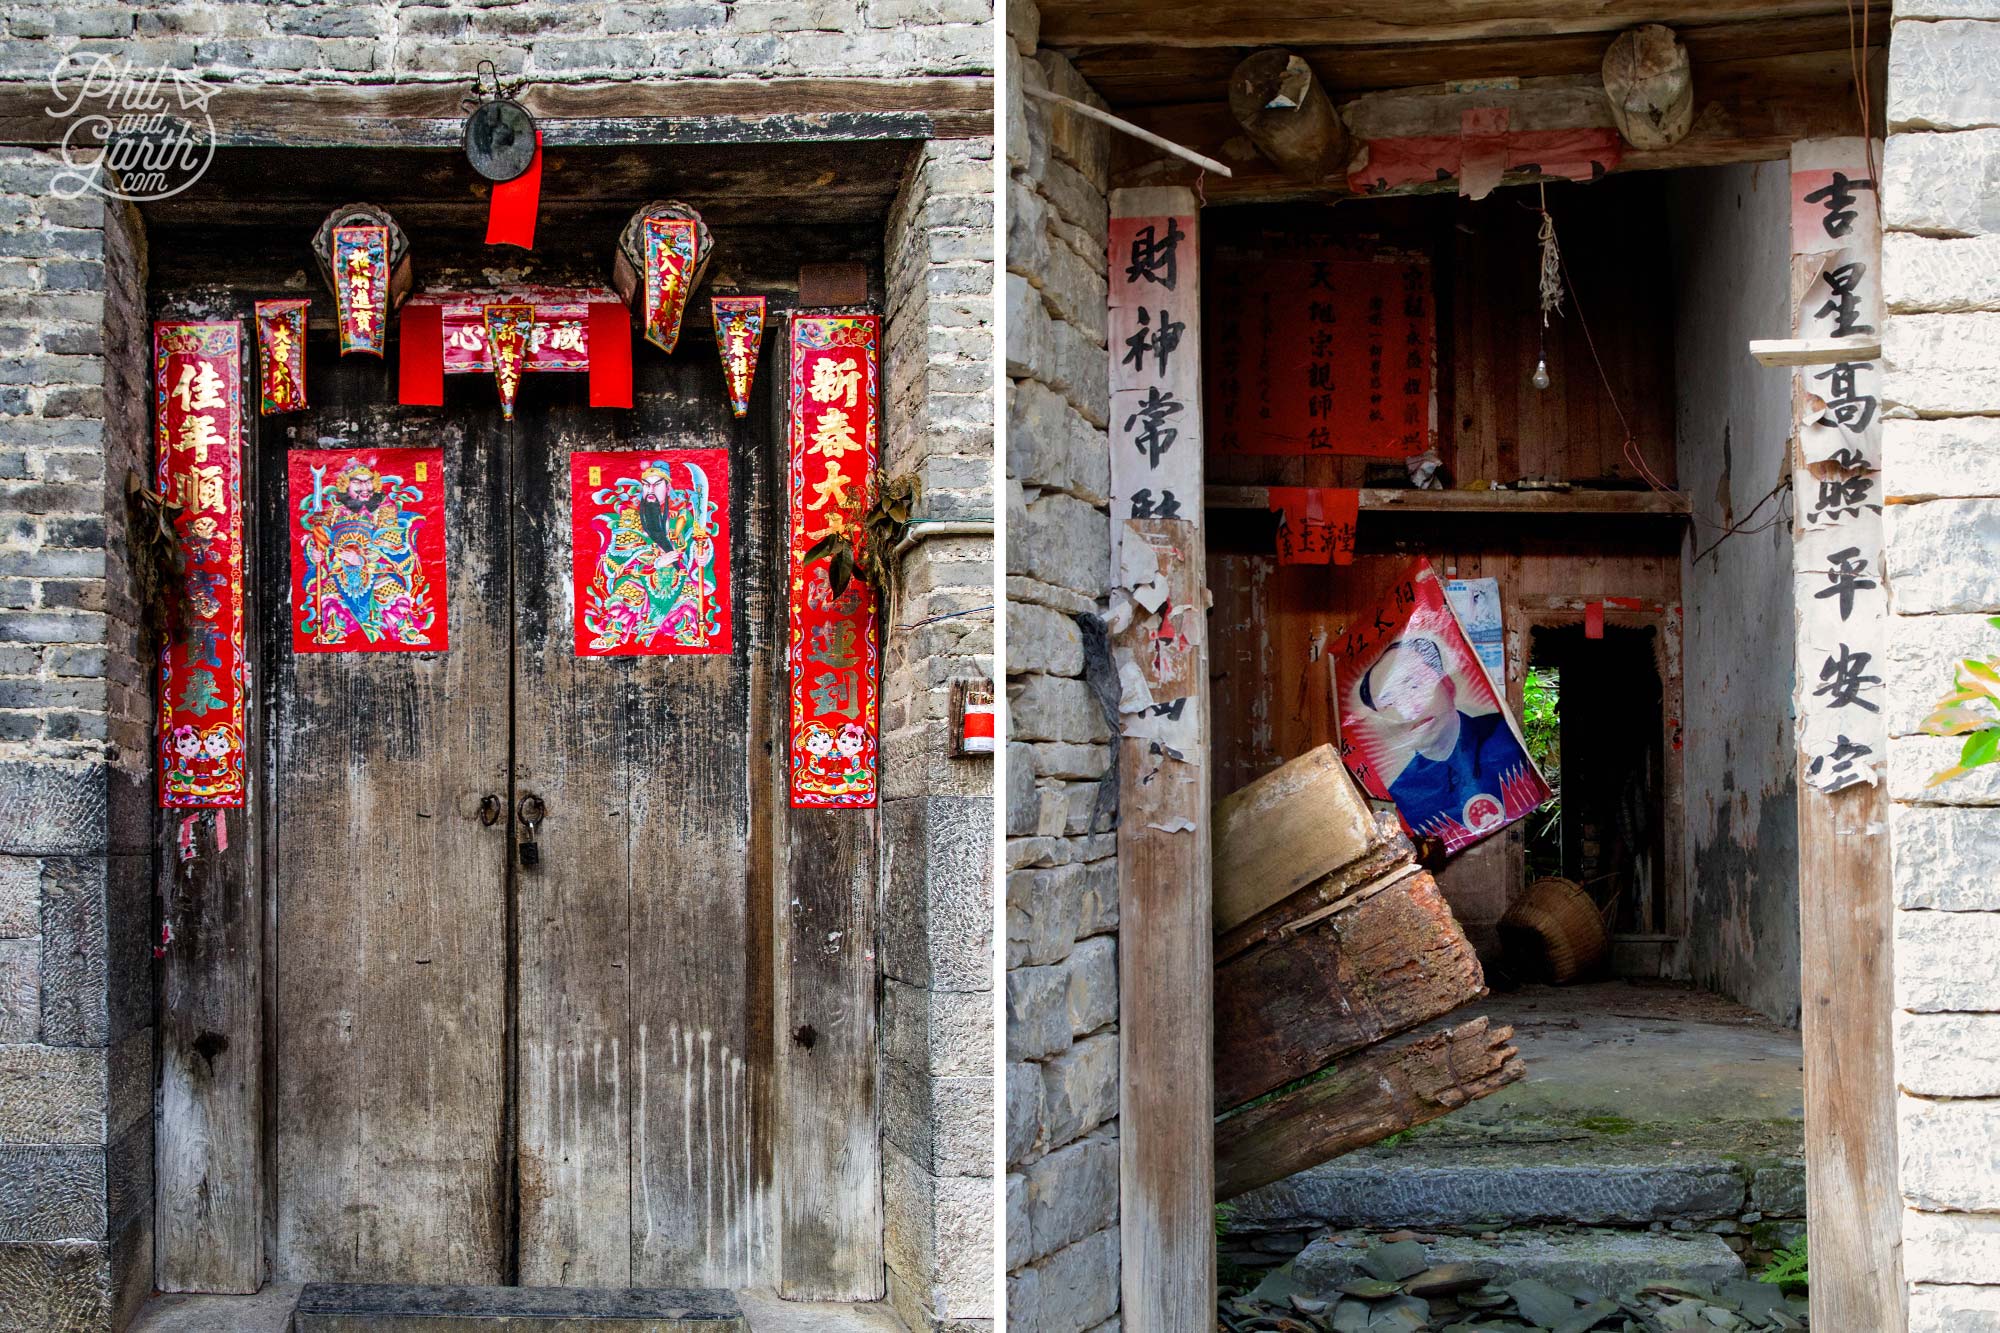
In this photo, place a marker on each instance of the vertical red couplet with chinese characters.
(198, 446)
(833, 649)
(739, 328)
(281, 356)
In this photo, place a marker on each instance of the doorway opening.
(1657, 1130)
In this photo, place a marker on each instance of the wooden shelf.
(1543, 503)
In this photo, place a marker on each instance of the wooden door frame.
(1522, 615)
(215, 1123)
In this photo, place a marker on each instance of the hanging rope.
(1552, 287)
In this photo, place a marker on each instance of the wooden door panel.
(638, 1162)
(390, 896)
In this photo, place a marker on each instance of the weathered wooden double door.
(494, 1065)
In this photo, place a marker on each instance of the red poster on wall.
(833, 649)
(1320, 356)
(1421, 723)
(649, 541)
(198, 448)
(368, 563)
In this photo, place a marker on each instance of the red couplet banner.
(368, 562)
(649, 542)
(198, 448)
(833, 648)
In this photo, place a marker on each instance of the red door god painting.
(650, 537)
(367, 550)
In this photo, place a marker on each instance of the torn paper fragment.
(1134, 693)
(1178, 824)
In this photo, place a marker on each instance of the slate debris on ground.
(1404, 1294)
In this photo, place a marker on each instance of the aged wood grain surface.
(697, 1197)
(209, 1165)
(1165, 977)
(1367, 1097)
(574, 905)
(390, 895)
(1381, 966)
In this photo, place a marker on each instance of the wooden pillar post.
(1846, 905)
(1166, 1128)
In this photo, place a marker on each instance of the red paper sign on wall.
(198, 447)
(368, 564)
(649, 541)
(1320, 356)
(833, 650)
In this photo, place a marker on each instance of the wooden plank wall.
(1494, 425)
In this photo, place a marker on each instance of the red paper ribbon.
(511, 216)
(420, 356)
(610, 355)
(1593, 620)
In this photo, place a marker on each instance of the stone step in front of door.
(326, 1307)
(1603, 1261)
(1522, 1188)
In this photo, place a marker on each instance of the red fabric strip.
(1593, 620)
(420, 359)
(610, 343)
(510, 219)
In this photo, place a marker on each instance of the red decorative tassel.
(420, 359)
(610, 355)
(510, 219)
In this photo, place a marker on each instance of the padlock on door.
(531, 812)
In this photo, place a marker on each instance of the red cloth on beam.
(420, 356)
(610, 354)
(510, 219)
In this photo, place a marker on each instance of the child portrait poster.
(1421, 724)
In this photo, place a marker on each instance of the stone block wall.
(76, 1038)
(547, 41)
(937, 811)
(1941, 220)
(1062, 881)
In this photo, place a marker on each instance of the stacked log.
(1332, 943)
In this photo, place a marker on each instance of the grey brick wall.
(937, 811)
(1062, 883)
(76, 1041)
(376, 41)
(1941, 219)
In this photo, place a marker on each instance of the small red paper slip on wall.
(1316, 523)
(1593, 620)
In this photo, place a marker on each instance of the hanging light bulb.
(1541, 376)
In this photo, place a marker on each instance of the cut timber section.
(1388, 959)
(1362, 1100)
(1285, 830)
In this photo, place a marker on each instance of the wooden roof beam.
(1297, 23)
(1745, 111)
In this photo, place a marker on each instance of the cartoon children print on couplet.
(1421, 723)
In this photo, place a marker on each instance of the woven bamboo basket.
(1555, 932)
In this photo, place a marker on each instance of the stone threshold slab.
(385, 1308)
